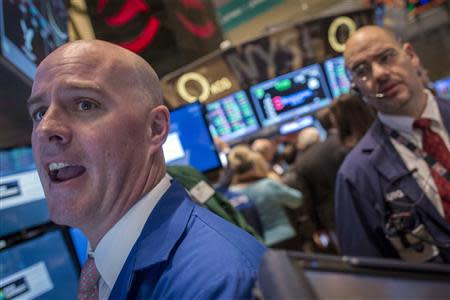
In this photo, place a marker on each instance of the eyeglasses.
(363, 71)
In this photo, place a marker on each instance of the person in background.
(271, 198)
(314, 174)
(306, 138)
(268, 149)
(99, 124)
(205, 194)
(393, 189)
(351, 118)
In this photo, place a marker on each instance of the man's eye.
(361, 71)
(387, 57)
(86, 105)
(38, 115)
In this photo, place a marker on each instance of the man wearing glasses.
(393, 190)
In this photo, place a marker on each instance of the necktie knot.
(88, 286)
(422, 124)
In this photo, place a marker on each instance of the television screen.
(296, 275)
(30, 30)
(189, 141)
(338, 81)
(22, 198)
(231, 117)
(442, 88)
(302, 123)
(39, 268)
(290, 95)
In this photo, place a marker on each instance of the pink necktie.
(88, 286)
(434, 145)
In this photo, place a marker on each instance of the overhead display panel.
(231, 117)
(291, 95)
(30, 30)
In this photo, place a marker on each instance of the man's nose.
(379, 71)
(53, 127)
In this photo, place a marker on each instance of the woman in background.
(270, 197)
(352, 118)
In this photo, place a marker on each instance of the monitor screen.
(298, 275)
(30, 30)
(290, 95)
(302, 123)
(189, 141)
(442, 88)
(22, 198)
(40, 268)
(340, 285)
(337, 78)
(231, 117)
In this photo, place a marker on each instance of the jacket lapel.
(388, 162)
(162, 230)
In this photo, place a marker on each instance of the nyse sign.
(194, 86)
(294, 47)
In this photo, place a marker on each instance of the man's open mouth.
(60, 172)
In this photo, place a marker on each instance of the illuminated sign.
(339, 46)
(206, 88)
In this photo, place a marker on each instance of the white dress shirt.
(404, 125)
(113, 249)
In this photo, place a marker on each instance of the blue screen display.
(290, 95)
(337, 78)
(40, 268)
(302, 123)
(30, 30)
(442, 88)
(231, 117)
(189, 141)
(22, 200)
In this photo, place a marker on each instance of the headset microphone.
(356, 91)
(379, 95)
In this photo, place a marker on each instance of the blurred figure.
(306, 138)
(352, 118)
(270, 197)
(314, 174)
(268, 149)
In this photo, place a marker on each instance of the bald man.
(98, 127)
(393, 190)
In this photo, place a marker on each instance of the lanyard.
(430, 160)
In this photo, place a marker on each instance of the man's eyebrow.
(74, 86)
(32, 100)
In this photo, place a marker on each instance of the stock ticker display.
(231, 117)
(337, 77)
(30, 30)
(293, 94)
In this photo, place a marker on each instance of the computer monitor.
(337, 78)
(22, 198)
(30, 30)
(290, 95)
(189, 141)
(231, 117)
(300, 124)
(442, 88)
(296, 275)
(39, 268)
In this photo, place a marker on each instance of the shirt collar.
(405, 124)
(113, 249)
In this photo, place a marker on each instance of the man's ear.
(158, 126)
(411, 54)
